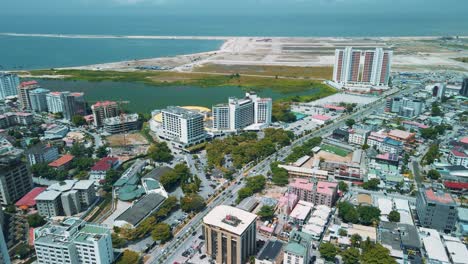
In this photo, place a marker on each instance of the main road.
(181, 241)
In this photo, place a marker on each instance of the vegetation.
(462, 59)
(362, 214)
(372, 184)
(432, 154)
(351, 256)
(192, 203)
(328, 251)
(118, 242)
(161, 232)
(43, 170)
(129, 257)
(343, 186)
(282, 112)
(433, 132)
(394, 216)
(279, 175)
(35, 220)
(266, 212)
(180, 175)
(350, 122)
(253, 185)
(435, 110)
(160, 152)
(78, 120)
(433, 174)
(102, 152)
(376, 254)
(246, 147)
(166, 208)
(305, 149)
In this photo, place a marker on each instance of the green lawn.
(335, 150)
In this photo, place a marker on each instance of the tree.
(435, 110)
(129, 257)
(368, 214)
(256, 183)
(22, 251)
(377, 254)
(266, 212)
(118, 242)
(328, 251)
(161, 232)
(160, 152)
(355, 240)
(348, 213)
(372, 184)
(365, 146)
(78, 120)
(394, 216)
(343, 186)
(282, 112)
(433, 174)
(432, 154)
(350, 122)
(170, 179)
(351, 256)
(342, 232)
(244, 193)
(280, 175)
(192, 203)
(102, 152)
(428, 133)
(36, 220)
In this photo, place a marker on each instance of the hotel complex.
(239, 114)
(182, 126)
(375, 70)
(230, 234)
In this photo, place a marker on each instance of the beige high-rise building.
(23, 94)
(103, 110)
(230, 234)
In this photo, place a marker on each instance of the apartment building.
(42, 153)
(24, 90)
(299, 248)
(183, 127)
(358, 136)
(103, 110)
(121, 124)
(319, 193)
(8, 85)
(436, 209)
(73, 241)
(38, 99)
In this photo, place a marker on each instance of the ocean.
(38, 52)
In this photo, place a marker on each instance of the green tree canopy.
(129, 257)
(192, 203)
(351, 256)
(343, 186)
(160, 152)
(377, 254)
(161, 232)
(372, 184)
(394, 216)
(433, 174)
(78, 120)
(368, 214)
(266, 212)
(36, 220)
(328, 251)
(102, 151)
(350, 122)
(280, 175)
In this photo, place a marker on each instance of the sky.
(48, 7)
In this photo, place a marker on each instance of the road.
(180, 242)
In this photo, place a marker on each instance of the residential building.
(103, 110)
(8, 84)
(16, 118)
(23, 93)
(62, 162)
(438, 90)
(230, 234)
(121, 124)
(238, 114)
(458, 156)
(271, 253)
(42, 153)
(436, 209)
(377, 66)
(358, 136)
(183, 127)
(73, 104)
(383, 143)
(28, 201)
(54, 102)
(73, 241)
(15, 179)
(140, 210)
(433, 246)
(38, 99)
(100, 168)
(66, 198)
(405, 106)
(401, 239)
(464, 88)
(299, 248)
(56, 132)
(319, 193)
(403, 136)
(347, 65)
(305, 172)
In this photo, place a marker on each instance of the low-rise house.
(299, 248)
(402, 240)
(62, 163)
(358, 136)
(458, 156)
(100, 168)
(271, 253)
(28, 202)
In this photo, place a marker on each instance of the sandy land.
(411, 53)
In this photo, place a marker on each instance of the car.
(203, 256)
(194, 233)
(201, 237)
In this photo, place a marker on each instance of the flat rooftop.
(222, 215)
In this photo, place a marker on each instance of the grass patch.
(283, 85)
(335, 150)
(317, 73)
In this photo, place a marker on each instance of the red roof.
(28, 199)
(334, 107)
(321, 117)
(458, 153)
(104, 103)
(24, 84)
(456, 185)
(104, 164)
(464, 140)
(62, 160)
(440, 197)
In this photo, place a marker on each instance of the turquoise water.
(299, 116)
(144, 98)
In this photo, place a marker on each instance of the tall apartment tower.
(436, 209)
(54, 102)
(240, 113)
(4, 256)
(8, 85)
(15, 179)
(183, 127)
(103, 110)
(73, 241)
(38, 99)
(230, 234)
(347, 65)
(23, 93)
(73, 104)
(464, 88)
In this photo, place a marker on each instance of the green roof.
(394, 178)
(296, 249)
(152, 184)
(120, 182)
(126, 195)
(94, 229)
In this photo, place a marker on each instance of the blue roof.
(393, 142)
(463, 214)
(40, 90)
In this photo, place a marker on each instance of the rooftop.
(303, 184)
(29, 83)
(456, 185)
(327, 188)
(183, 112)
(301, 210)
(121, 119)
(218, 215)
(438, 196)
(104, 103)
(457, 250)
(400, 134)
(104, 164)
(459, 152)
(141, 209)
(321, 117)
(29, 199)
(62, 160)
(435, 249)
(48, 195)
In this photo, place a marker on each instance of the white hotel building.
(239, 114)
(73, 242)
(8, 85)
(182, 127)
